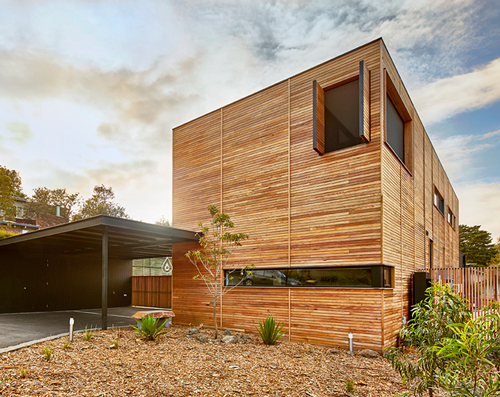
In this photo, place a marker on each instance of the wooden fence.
(152, 291)
(479, 285)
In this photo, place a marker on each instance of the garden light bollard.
(71, 324)
(350, 342)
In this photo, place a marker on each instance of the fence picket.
(480, 286)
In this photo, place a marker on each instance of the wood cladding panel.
(335, 198)
(196, 170)
(255, 175)
(326, 316)
(191, 301)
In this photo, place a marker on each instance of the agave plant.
(149, 328)
(269, 331)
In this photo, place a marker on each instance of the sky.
(90, 90)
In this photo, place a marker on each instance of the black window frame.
(438, 201)
(381, 276)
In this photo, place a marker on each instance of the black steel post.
(105, 279)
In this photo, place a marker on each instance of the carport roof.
(127, 239)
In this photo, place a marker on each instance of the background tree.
(477, 245)
(7, 193)
(218, 244)
(101, 203)
(496, 260)
(16, 180)
(44, 201)
(163, 222)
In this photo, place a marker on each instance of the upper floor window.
(398, 124)
(438, 201)
(341, 113)
(451, 218)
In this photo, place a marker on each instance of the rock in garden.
(193, 331)
(334, 351)
(228, 339)
(203, 338)
(226, 332)
(368, 353)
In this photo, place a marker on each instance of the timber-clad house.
(333, 176)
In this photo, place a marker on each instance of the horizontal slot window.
(366, 276)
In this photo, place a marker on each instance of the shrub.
(269, 331)
(114, 344)
(349, 386)
(23, 373)
(47, 352)
(429, 328)
(148, 327)
(472, 357)
(87, 334)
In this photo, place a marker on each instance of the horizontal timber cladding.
(196, 170)
(255, 175)
(335, 197)
(410, 220)
(317, 315)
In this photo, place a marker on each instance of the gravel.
(177, 365)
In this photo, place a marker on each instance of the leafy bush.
(23, 373)
(472, 358)
(269, 331)
(429, 329)
(148, 327)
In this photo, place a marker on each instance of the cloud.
(108, 131)
(446, 97)
(136, 95)
(458, 152)
(18, 131)
(479, 205)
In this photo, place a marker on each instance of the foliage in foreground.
(427, 331)
(149, 328)
(472, 357)
(269, 331)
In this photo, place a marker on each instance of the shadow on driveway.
(23, 329)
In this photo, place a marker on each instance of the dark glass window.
(342, 117)
(395, 130)
(370, 276)
(439, 201)
(451, 218)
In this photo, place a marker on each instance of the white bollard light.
(350, 342)
(71, 324)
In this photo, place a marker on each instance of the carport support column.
(104, 319)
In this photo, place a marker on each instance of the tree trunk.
(215, 316)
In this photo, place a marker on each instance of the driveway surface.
(19, 329)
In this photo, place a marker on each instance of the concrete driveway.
(23, 329)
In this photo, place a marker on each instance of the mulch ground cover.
(177, 365)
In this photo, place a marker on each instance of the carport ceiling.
(127, 239)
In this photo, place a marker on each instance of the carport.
(80, 265)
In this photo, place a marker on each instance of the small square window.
(341, 114)
(439, 201)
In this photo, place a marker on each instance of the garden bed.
(177, 365)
